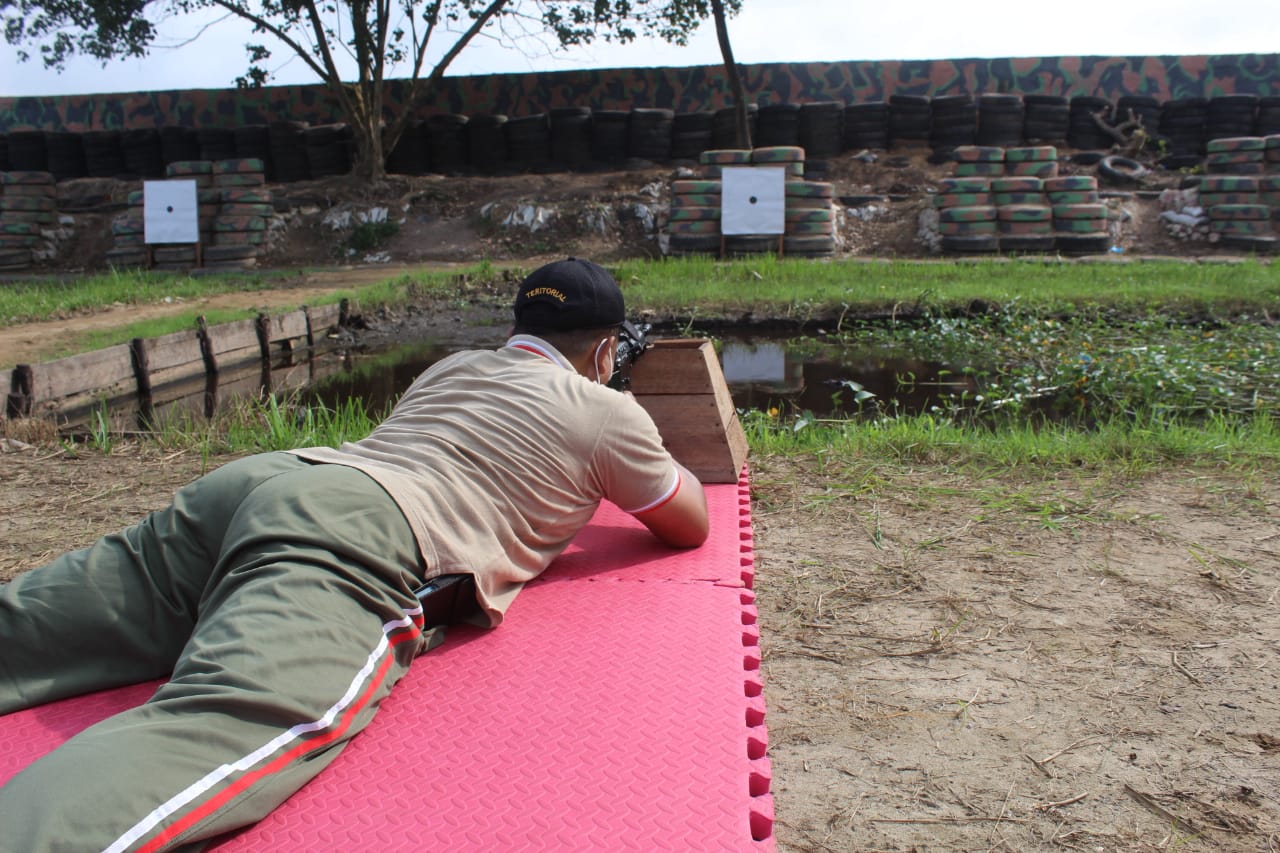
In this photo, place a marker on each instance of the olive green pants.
(277, 597)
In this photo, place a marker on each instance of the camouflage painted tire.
(1031, 154)
(14, 258)
(802, 203)
(805, 229)
(239, 179)
(694, 214)
(127, 225)
(1260, 244)
(127, 256)
(1239, 211)
(243, 208)
(1233, 158)
(1080, 226)
(174, 254)
(1235, 143)
(777, 155)
(810, 189)
(964, 185)
(1072, 197)
(694, 226)
(129, 240)
(695, 200)
(248, 194)
(695, 187)
(1025, 227)
(1009, 199)
(219, 254)
(815, 214)
(1245, 227)
(978, 154)
(966, 229)
(944, 200)
(726, 157)
(27, 178)
(1208, 200)
(971, 244)
(1079, 211)
(27, 203)
(1097, 243)
(239, 166)
(1043, 169)
(750, 245)
(978, 169)
(809, 246)
(1228, 184)
(239, 223)
(30, 190)
(188, 169)
(1017, 185)
(19, 228)
(1027, 242)
(977, 213)
(1024, 213)
(794, 171)
(1070, 183)
(238, 238)
(18, 241)
(694, 244)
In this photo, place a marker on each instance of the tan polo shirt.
(498, 458)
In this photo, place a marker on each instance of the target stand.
(753, 202)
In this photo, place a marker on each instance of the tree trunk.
(742, 126)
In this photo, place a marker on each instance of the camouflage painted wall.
(682, 89)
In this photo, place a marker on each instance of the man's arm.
(682, 521)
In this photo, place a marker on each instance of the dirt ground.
(951, 663)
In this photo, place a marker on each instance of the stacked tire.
(1267, 120)
(693, 225)
(27, 151)
(1035, 161)
(978, 161)
(103, 154)
(447, 142)
(1024, 222)
(1273, 152)
(410, 155)
(143, 153)
(778, 125)
(1239, 155)
(1143, 108)
(714, 162)
(967, 215)
(216, 143)
(821, 130)
(909, 120)
(649, 134)
(487, 143)
(691, 134)
(1083, 132)
(28, 208)
(609, 132)
(529, 142)
(64, 155)
(866, 126)
(178, 145)
(724, 127)
(1079, 216)
(4, 152)
(1000, 119)
(1047, 119)
(253, 141)
(1230, 115)
(790, 158)
(244, 213)
(571, 137)
(1182, 124)
(953, 121)
(288, 151)
(810, 217)
(128, 241)
(328, 150)
(1238, 216)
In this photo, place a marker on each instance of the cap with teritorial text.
(568, 295)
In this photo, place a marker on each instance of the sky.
(765, 31)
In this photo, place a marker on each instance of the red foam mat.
(619, 708)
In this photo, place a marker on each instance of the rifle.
(633, 340)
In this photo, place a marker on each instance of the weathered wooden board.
(681, 385)
(67, 389)
(233, 344)
(170, 366)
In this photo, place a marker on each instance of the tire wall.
(683, 90)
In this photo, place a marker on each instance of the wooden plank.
(245, 382)
(322, 322)
(234, 343)
(287, 327)
(676, 366)
(170, 360)
(700, 436)
(107, 370)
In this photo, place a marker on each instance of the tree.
(378, 37)
(742, 128)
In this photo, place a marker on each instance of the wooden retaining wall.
(192, 368)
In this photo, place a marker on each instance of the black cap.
(569, 295)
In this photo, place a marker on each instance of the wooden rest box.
(680, 384)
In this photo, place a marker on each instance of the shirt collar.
(532, 344)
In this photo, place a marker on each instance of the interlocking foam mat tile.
(618, 708)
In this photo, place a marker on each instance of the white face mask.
(595, 359)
